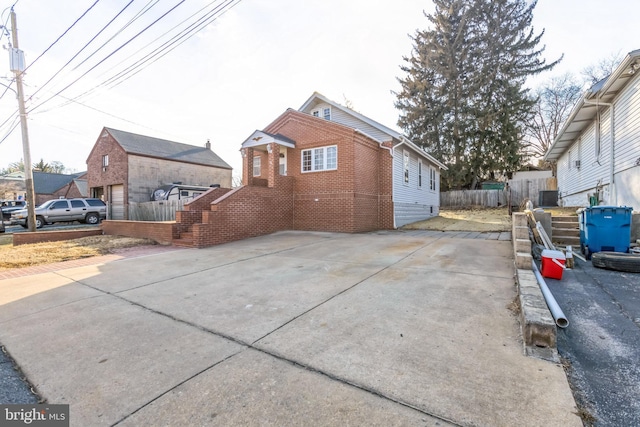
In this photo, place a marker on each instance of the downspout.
(597, 103)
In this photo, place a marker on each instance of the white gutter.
(613, 195)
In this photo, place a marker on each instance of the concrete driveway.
(294, 328)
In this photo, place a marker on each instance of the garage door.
(117, 201)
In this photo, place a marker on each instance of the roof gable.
(148, 146)
(317, 99)
(49, 183)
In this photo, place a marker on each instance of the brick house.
(124, 167)
(49, 186)
(323, 167)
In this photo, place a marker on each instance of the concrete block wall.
(521, 241)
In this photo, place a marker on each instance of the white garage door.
(117, 201)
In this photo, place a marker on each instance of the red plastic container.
(553, 263)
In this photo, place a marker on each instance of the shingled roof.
(49, 183)
(164, 149)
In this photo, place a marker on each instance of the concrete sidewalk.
(386, 328)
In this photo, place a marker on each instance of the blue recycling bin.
(605, 228)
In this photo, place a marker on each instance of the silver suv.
(89, 211)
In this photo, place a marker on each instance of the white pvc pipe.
(556, 311)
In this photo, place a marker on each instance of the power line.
(108, 56)
(62, 35)
(166, 47)
(80, 51)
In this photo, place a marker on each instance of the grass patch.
(474, 219)
(50, 252)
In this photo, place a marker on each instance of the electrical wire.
(80, 51)
(108, 56)
(166, 47)
(62, 35)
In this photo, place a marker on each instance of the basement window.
(320, 159)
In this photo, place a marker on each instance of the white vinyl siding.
(339, 116)
(410, 203)
(319, 159)
(627, 127)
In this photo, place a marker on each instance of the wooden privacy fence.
(466, 198)
(164, 210)
(514, 194)
(530, 189)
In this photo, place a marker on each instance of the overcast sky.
(244, 69)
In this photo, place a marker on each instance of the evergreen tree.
(462, 98)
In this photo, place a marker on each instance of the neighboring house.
(12, 186)
(597, 155)
(49, 186)
(124, 167)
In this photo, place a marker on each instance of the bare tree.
(593, 73)
(556, 98)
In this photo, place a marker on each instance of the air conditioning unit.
(577, 164)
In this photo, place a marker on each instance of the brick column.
(274, 164)
(247, 166)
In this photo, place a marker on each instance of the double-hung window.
(405, 165)
(432, 179)
(256, 166)
(419, 173)
(320, 159)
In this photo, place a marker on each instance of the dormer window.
(325, 113)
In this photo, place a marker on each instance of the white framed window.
(105, 160)
(315, 113)
(432, 179)
(256, 166)
(419, 173)
(326, 113)
(320, 159)
(405, 165)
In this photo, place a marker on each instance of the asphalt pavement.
(294, 328)
(602, 342)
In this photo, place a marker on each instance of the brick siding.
(161, 232)
(52, 236)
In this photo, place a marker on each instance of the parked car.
(1, 220)
(10, 206)
(90, 211)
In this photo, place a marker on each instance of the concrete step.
(565, 218)
(567, 240)
(565, 225)
(572, 232)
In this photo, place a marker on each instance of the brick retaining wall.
(52, 236)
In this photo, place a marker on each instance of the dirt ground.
(49, 252)
(480, 219)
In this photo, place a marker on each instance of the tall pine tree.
(462, 98)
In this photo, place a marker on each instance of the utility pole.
(18, 67)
